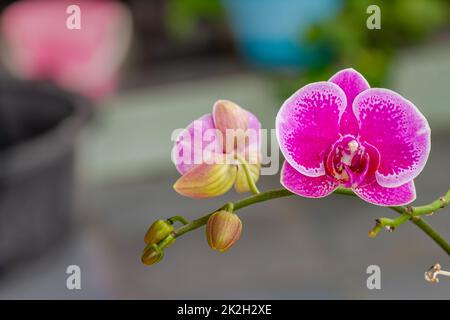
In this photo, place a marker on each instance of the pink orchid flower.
(37, 44)
(342, 133)
(211, 151)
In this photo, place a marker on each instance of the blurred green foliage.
(184, 16)
(352, 44)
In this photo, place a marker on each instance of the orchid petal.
(254, 165)
(206, 180)
(192, 144)
(241, 184)
(228, 115)
(253, 131)
(232, 121)
(397, 129)
(308, 124)
(382, 196)
(352, 83)
(311, 187)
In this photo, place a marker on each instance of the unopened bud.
(223, 230)
(159, 230)
(152, 254)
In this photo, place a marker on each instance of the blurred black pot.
(38, 128)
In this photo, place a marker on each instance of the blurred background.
(86, 118)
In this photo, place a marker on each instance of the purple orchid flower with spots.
(342, 133)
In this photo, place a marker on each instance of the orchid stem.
(250, 181)
(414, 214)
(406, 213)
(180, 219)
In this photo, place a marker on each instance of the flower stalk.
(414, 214)
(250, 181)
(407, 213)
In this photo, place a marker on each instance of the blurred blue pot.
(269, 32)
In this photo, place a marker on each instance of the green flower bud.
(223, 230)
(152, 254)
(159, 230)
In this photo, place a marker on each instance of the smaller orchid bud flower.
(159, 230)
(210, 152)
(223, 230)
(152, 254)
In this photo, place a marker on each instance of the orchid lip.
(351, 162)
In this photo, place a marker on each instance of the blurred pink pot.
(38, 45)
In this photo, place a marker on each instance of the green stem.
(248, 175)
(425, 227)
(269, 195)
(437, 204)
(389, 224)
(406, 213)
(180, 219)
(414, 214)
